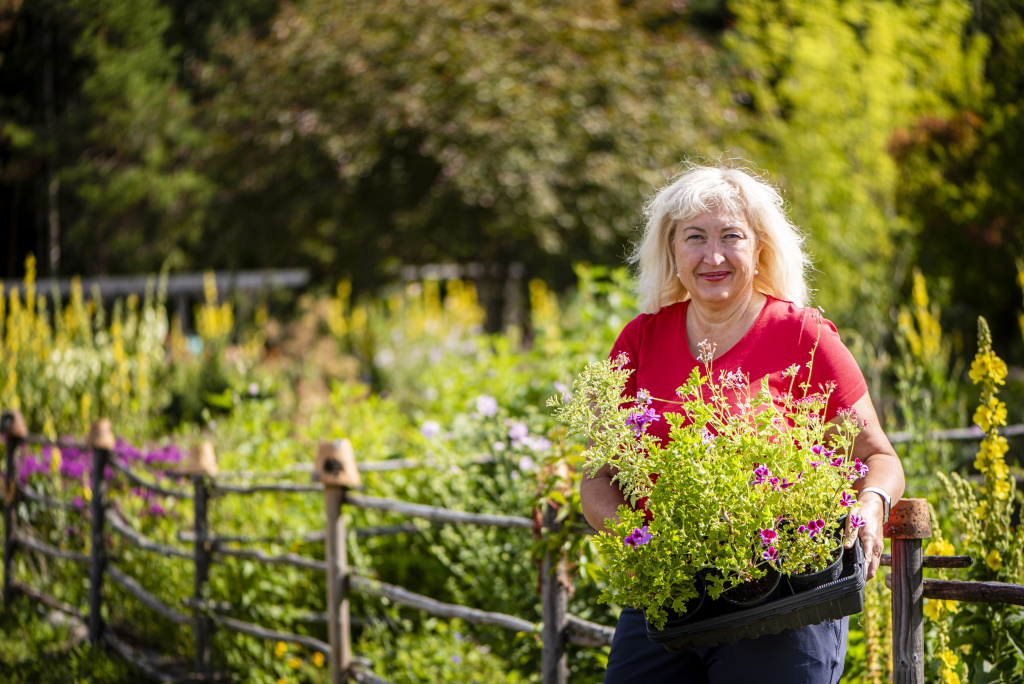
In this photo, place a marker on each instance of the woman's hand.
(870, 533)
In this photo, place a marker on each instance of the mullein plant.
(987, 640)
(747, 481)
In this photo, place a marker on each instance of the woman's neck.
(721, 327)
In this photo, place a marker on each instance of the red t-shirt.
(782, 336)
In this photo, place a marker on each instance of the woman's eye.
(694, 238)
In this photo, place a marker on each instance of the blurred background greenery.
(372, 143)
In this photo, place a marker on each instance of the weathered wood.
(554, 608)
(271, 634)
(437, 513)
(971, 434)
(936, 561)
(48, 550)
(365, 676)
(100, 457)
(220, 489)
(971, 591)
(42, 440)
(48, 600)
(435, 607)
(101, 435)
(28, 493)
(201, 460)
(285, 559)
(139, 482)
(13, 426)
(336, 553)
(121, 526)
(131, 656)
(336, 464)
(201, 626)
(585, 633)
(129, 584)
(909, 522)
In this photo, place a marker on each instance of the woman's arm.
(884, 472)
(600, 498)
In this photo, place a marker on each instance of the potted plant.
(750, 485)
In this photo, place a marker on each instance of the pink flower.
(768, 536)
(770, 554)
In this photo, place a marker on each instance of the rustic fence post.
(14, 430)
(201, 464)
(336, 469)
(101, 441)
(554, 608)
(909, 523)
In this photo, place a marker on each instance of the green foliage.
(830, 82)
(737, 465)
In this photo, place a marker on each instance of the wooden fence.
(335, 467)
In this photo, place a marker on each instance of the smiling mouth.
(714, 275)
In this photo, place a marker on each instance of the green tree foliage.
(829, 83)
(99, 136)
(960, 182)
(372, 133)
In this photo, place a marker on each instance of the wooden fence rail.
(337, 475)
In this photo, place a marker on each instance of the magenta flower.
(761, 475)
(770, 554)
(812, 527)
(837, 461)
(821, 450)
(856, 521)
(860, 469)
(846, 499)
(638, 537)
(768, 536)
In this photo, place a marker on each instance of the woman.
(721, 265)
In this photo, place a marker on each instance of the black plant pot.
(812, 580)
(718, 622)
(755, 592)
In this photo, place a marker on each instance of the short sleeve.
(833, 364)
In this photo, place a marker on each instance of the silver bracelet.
(886, 501)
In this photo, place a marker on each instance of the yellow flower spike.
(933, 609)
(294, 663)
(940, 547)
(55, 461)
(982, 511)
(999, 469)
(1001, 490)
(280, 649)
(993, 560)
(318, 659)
(983, 417)
(949, 659)
(87, 493)
(950, 677)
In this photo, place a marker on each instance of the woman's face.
(716, 256)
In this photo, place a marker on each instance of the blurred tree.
(962, 182)
(97, 138)
(829, 81)
(372, 133)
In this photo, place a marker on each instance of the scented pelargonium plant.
(747, 482)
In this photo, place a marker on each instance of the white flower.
(498, 446)
(430, 429)
(486, 405)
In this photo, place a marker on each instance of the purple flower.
(156, 509)
(486, 405)
(770, 554)
(638, 537)
(430, 429)
(78, 502)
(812, 527)
(518, 431)
(768, 536)
(837, 461)
(761, 474)
(456, 659)
(846, 499)
(856, 521)
(821, 450)
(639, 420)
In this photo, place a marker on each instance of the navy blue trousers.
(809, 655)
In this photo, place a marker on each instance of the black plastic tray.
(717, 622)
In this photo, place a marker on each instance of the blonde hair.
(782, 264)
